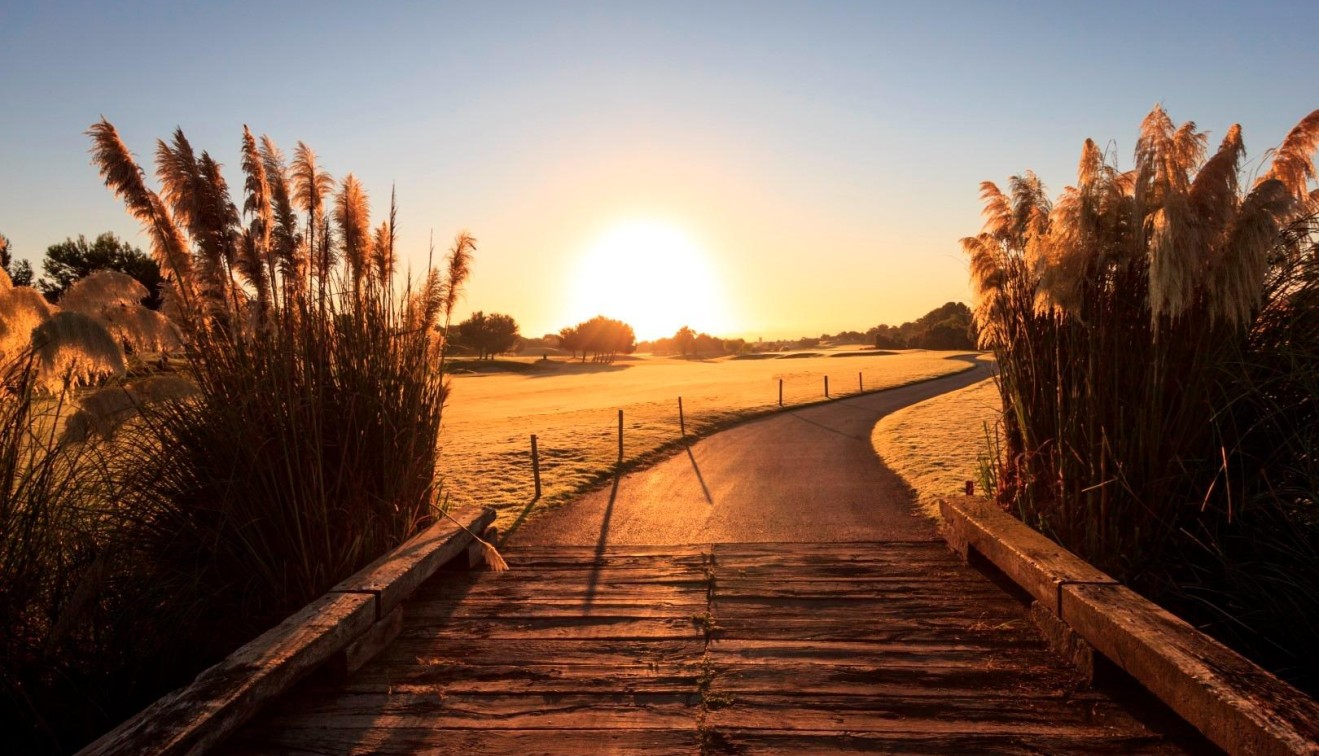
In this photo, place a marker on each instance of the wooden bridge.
(729, 648)
(875, 635)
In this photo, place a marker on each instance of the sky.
(760, 169)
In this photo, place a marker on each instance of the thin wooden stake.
(780, 392)
(859, 387)
(826, 387)
(682, 421)
(620, 436)
(535, 464)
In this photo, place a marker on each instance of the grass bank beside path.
(936, 445)
(573, 410)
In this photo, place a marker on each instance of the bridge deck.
(738, 648)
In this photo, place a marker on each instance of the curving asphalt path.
(807, 474)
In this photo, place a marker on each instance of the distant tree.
(948, 326)
(20, 273)
(604, 338)
(685, 340)
(71, 260)
(570, 338)
(707, 345)
(487, 335)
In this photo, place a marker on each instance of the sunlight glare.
(652, 276)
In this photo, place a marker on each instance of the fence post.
(682, 420)
(620, 437)
(826, 387)
(780, 392)
(535, 464)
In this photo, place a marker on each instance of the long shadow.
(522, 517)
(600, 544)
(797, 416)
(699, 477)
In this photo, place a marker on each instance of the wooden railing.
(1232, 701)
(343, 629)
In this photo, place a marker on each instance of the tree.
(487, 335)
(71, 260)
(685, 340)
(605, 338)
(571, 339)
(19, 272)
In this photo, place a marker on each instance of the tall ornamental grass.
(310, 446)
(1158, 340)
(150, 525)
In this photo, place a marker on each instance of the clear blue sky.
(825, 157)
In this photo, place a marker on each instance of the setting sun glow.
(651, 275)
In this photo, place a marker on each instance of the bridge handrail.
(344, 627)
(1235, 703)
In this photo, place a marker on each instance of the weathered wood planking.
(394, 576)
(738, 649)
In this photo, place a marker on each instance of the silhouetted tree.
(571, 339)
(948, 326)
(71, 260)
(685, 340)
(605, 338)
(487, 335)
(19, 272)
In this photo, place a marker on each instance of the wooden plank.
(356, 654)
(646, 711)
(411, 740)
(532, 651)
(544, 678)
(1031, 560)
(1236, 704)
(1023, 742)
(894, 655)
(948, 714)
(396, 575)
(607, 607)
(563, 627)
(879, 680)
(225, 696)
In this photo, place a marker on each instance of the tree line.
(949, 326)
(74, 259)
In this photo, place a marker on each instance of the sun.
(652, 276)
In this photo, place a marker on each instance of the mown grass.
(940, 443)
(574, 414)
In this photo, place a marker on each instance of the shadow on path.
(594, 580)
(699, 477)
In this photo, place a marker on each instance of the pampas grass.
(1152, 331)
(148, 527)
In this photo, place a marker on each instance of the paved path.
(807, 474)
